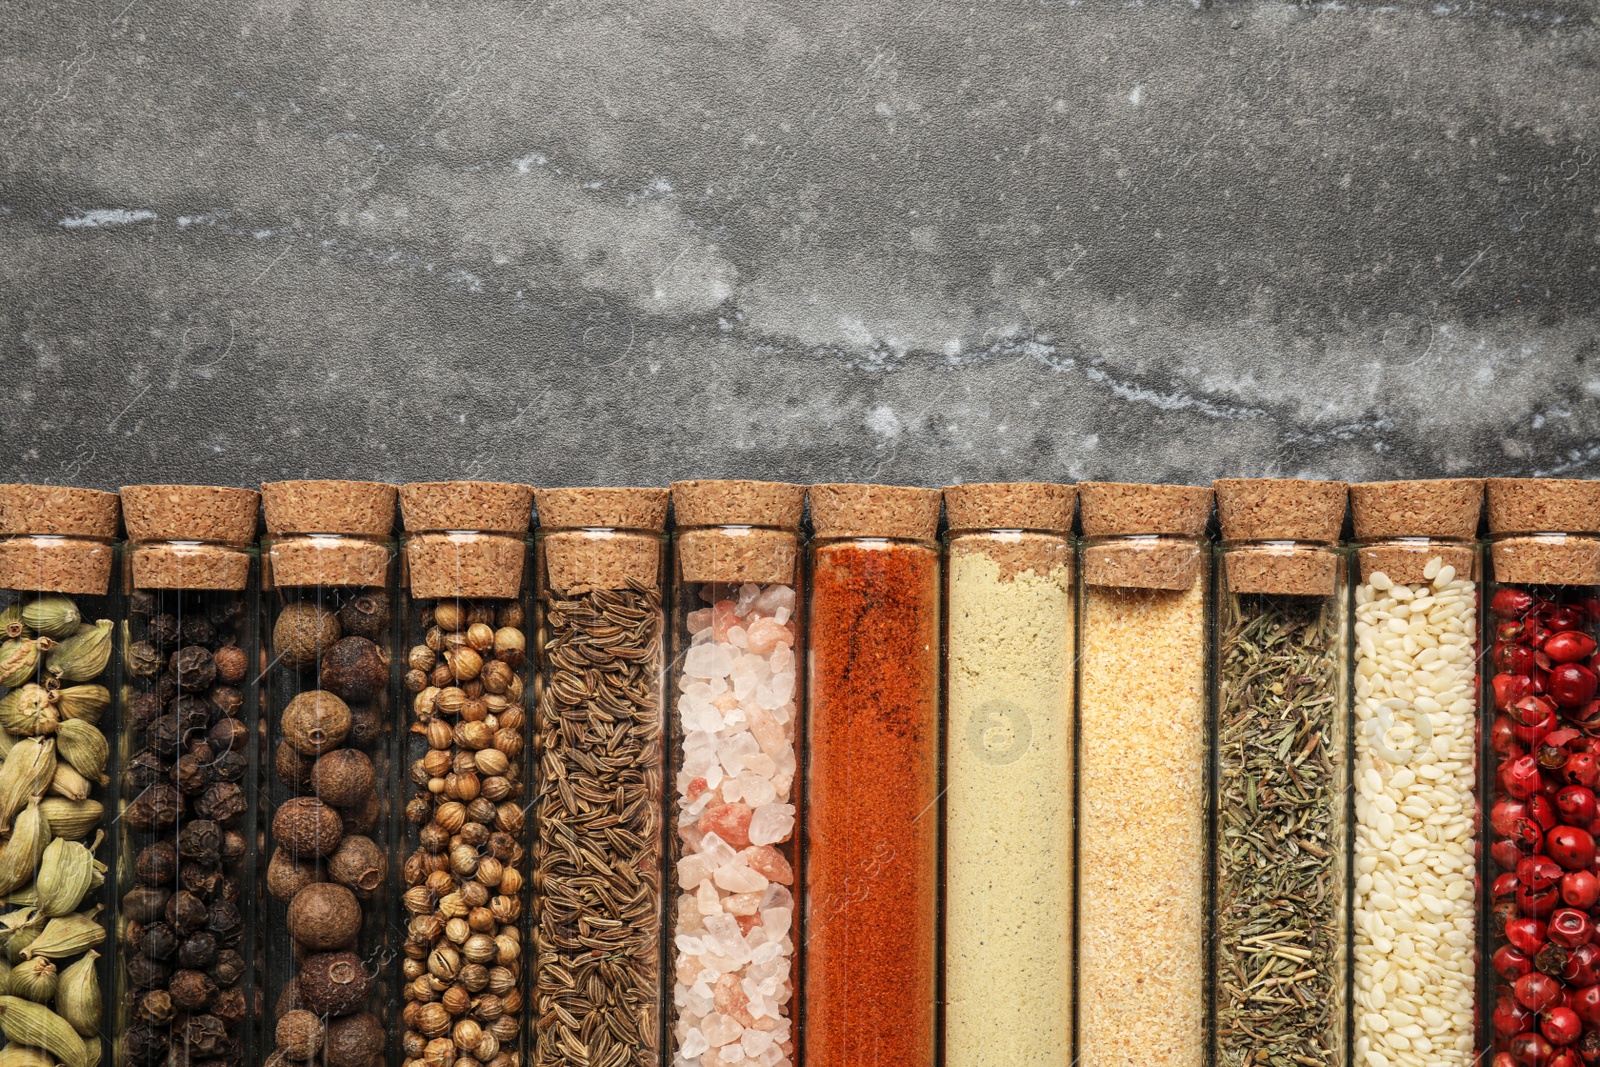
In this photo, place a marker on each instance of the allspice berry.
(294, 769)
(355, 668)
(302, 633)
(343, 777)
(354, 1041)
(288, 999)
(322, 917)
(307, 827)
(366, 615)
(360, 865)
(315, 721)
(299, 1035)
(286, 875)
(334, 983)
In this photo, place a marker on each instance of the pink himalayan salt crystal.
(731, 822)
(698, 620)
(723, 619)
(696, 787)
(764, 635)
(730, 999)
(688, 969)
(725, 702)
(769, 862)
(742, 903)
(767, 731)
(748, 923)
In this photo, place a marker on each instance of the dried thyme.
(1278, 836)
(596, 855)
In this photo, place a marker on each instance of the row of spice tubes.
(455, 802)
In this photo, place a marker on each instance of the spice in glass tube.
(872, 828)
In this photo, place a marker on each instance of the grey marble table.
(909, 240)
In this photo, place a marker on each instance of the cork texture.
(1543, 505)
(49, 564)
(191, 513)
(170, 566)
(1281, 569)
(59, 510)
(1405, 563)
(1153, 564)
(1280, 509)
(1016, 553)
(465, 565)
(862, 510)
(610, 508)
(329, 506)
(1010, 506)
(727, 502)
(738, 555)
(1552, 560)
(1440, 507)
(325, 561)
(1111, 509)
(493, 507)
(581, 561)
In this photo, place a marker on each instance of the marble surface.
(906, 240)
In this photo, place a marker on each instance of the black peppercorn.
(194, 717)
(186, 912)
(225, 920)
(205, 1035)
(199, 879)
(228, 890)
(146, 769)
(193, 776)
(199, 630)
(227, 702)
(229, 1006)
(224, 802)
(145, 1044)
(157, 864)
(142, 603)
(229, 735)
(199, 951)
(157, 808)
(163, 736)
(146, 973)
(228, 969)
(234, 845)
(191, 990)
(145, 660)
(158, 942)
(154, 1007)
(164, 630)
(166, 687)
(230, 767)
(232, 664)
(145, 904)
(142, 709)
(201, 841)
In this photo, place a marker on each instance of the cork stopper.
(326, 533)
(845, 510)
(222, 518)
(729, 502)
(738, 531)
(1121, 509)
(1042, 506)
(465, 539)
(1016, 552)
(1545, 505)
(45, 533)
(492, 507)
(1281, 509)
(602, 538)
(1440, 507)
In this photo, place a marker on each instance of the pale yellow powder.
(1008, 909)
(1142, 829)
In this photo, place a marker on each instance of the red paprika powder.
(873, 823)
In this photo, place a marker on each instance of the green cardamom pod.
(86, 702)
(19, 661)
(17, 931)
(82, 744)
(67, 935)
(30, 711)
(19, 859)
(91, 1048)
(34, 979)
(11, 619)
(7, 739)
(78, 996)
(84, 655)
(28, 768)
(67, 782)
(23, 1056)
(5, 973)
(71, 819)
(28, 1023)
(66, 870)
(53, 616)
